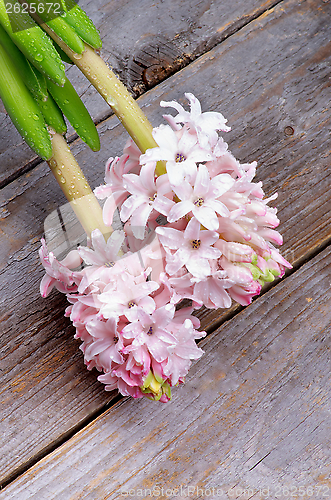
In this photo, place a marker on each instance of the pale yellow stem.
(115, 94)
(76, 188)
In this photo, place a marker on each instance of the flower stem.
(115, 94)
(75, 187)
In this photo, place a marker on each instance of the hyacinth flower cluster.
(194, 226)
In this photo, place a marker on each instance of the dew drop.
(39, 57)
(111, 101)
(63, 180)
(52, 163)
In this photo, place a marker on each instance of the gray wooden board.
(46, 391)
(131, 31)
(254, 414)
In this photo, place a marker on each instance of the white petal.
(175, 262)
(202, 182)
(139, 218)
(184, 190)
(199, 267)
(130, 205)
(219, 207)
(179, 210)
(166, 138)
(206, 216)
(147, 177)
(169, 237)
(132, 183)
(175, 173)
(163, 205)
(195, 105)
(192, 231)
(108, 210)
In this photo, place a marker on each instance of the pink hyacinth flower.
(202, 198)
(180, 151)
(105, 344)
(113, 191)
(147, 194)
(193, 248)
(59, 274)
(204, 124)
(181, 354)
(126, 297)
(212, 291)
(152, 331)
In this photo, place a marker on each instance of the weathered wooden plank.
(277, 89)
(254, 414)
(132, 31)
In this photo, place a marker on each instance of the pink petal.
(218, 207)
(147, 177)
(163, 205)
(129, 206)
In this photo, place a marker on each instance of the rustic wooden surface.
(263, 389)
(253, 414)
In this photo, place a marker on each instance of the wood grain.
(254, 413)
(271, 75)
(191, 27)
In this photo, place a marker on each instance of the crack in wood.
(257, 463)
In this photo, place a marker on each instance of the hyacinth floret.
(201, 230)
